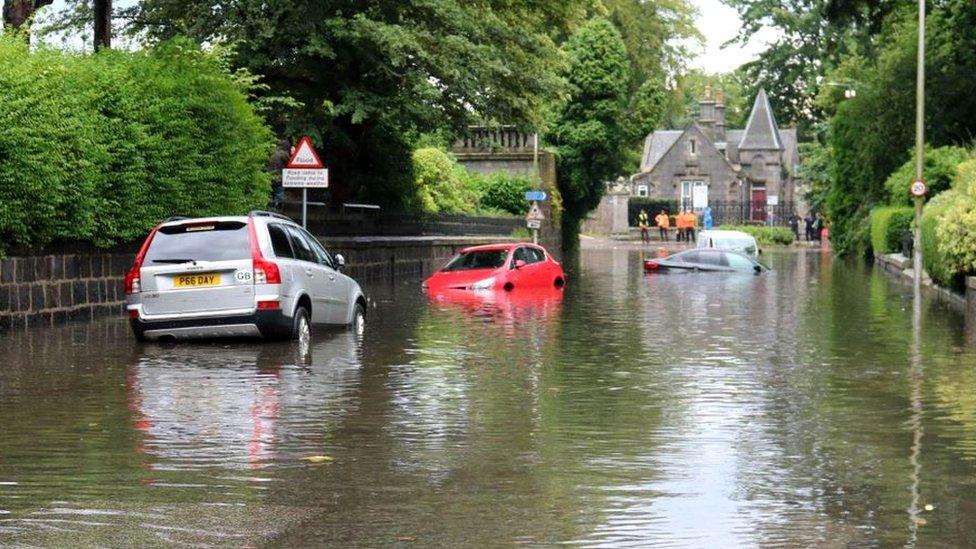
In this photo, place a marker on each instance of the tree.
(18, 12)
(588, 134)
(364, 78)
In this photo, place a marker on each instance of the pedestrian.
(707, 221)
(795, 225)
(663, 224)
(818, 225)
(644, 223)
(808, 223)
(679, 226)
(691, 222)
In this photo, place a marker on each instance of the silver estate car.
(255, 275)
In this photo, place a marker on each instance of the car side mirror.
(757, 268)
(519, 263)
(340, 262)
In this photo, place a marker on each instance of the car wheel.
(358, 325)
(301, 333)
(138, 334)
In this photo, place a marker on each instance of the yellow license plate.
(196, 280)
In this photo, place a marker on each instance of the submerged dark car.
(705, 260)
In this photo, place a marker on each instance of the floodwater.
(794, 408)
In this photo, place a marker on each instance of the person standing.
(663, 223)
(707, 221)
(691, 222)
(795, 225)
(808, 223)
(644, 223)
(818, 225)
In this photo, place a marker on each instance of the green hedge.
(502, 191)
(888, 226)
(101, 147)
(934, 261)
(652, 205)
(939, 169)
(764, 235)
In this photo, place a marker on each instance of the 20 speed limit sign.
(918, 188)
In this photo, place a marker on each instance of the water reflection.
(220, 405)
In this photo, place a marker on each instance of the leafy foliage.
(441, 185)
(502, 191)
(888, 226)
(763, 234)
(951, 218)
(367, 78)
(588, 133)
(871, 135)
(101, 147)
(939, 168)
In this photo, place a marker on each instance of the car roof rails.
(262, 213)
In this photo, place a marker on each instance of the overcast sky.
(718, 23)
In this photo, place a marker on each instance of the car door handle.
(331, 276)
(308, 272)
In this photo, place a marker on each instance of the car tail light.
(132, 283)
(265, 272)
(269, 305)
(650, 265)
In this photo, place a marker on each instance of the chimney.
(706, 113)
(719, 116)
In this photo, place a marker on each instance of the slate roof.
(761, 130)
(656, 145)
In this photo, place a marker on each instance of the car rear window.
(482, 259)
(207, 241)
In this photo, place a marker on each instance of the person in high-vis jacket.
(644, 223)
(663, 223)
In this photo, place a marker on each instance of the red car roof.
(500, 246)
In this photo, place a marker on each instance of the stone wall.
(54, 288)
(49, 289)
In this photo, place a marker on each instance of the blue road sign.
(535, 195)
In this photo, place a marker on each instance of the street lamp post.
(919, 146)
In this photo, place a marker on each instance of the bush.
(502, 191)
(441, 183)
(939, 169)
(888, 226)
(936, 263)
(652, 205)
(101, 147)
(764, 235)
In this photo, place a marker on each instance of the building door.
(757, 204)
(694, 195)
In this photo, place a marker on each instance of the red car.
(499, 267)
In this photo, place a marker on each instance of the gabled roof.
(656, 145)
(761, 131)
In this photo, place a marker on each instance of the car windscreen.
(481, 259)
(734, 243)
(206, 241)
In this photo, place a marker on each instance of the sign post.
(305, 170)
(534, 219)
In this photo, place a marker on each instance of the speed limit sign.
(918, 188)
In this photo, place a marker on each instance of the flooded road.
(676, 410)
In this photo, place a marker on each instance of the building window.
(694, 146)
(642, 190)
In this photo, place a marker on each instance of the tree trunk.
(103, 24)
(18, 12)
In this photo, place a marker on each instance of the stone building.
(742, 173)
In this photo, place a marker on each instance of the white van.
(736, 241)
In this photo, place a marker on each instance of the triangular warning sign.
(305, 156)
(535, 213)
